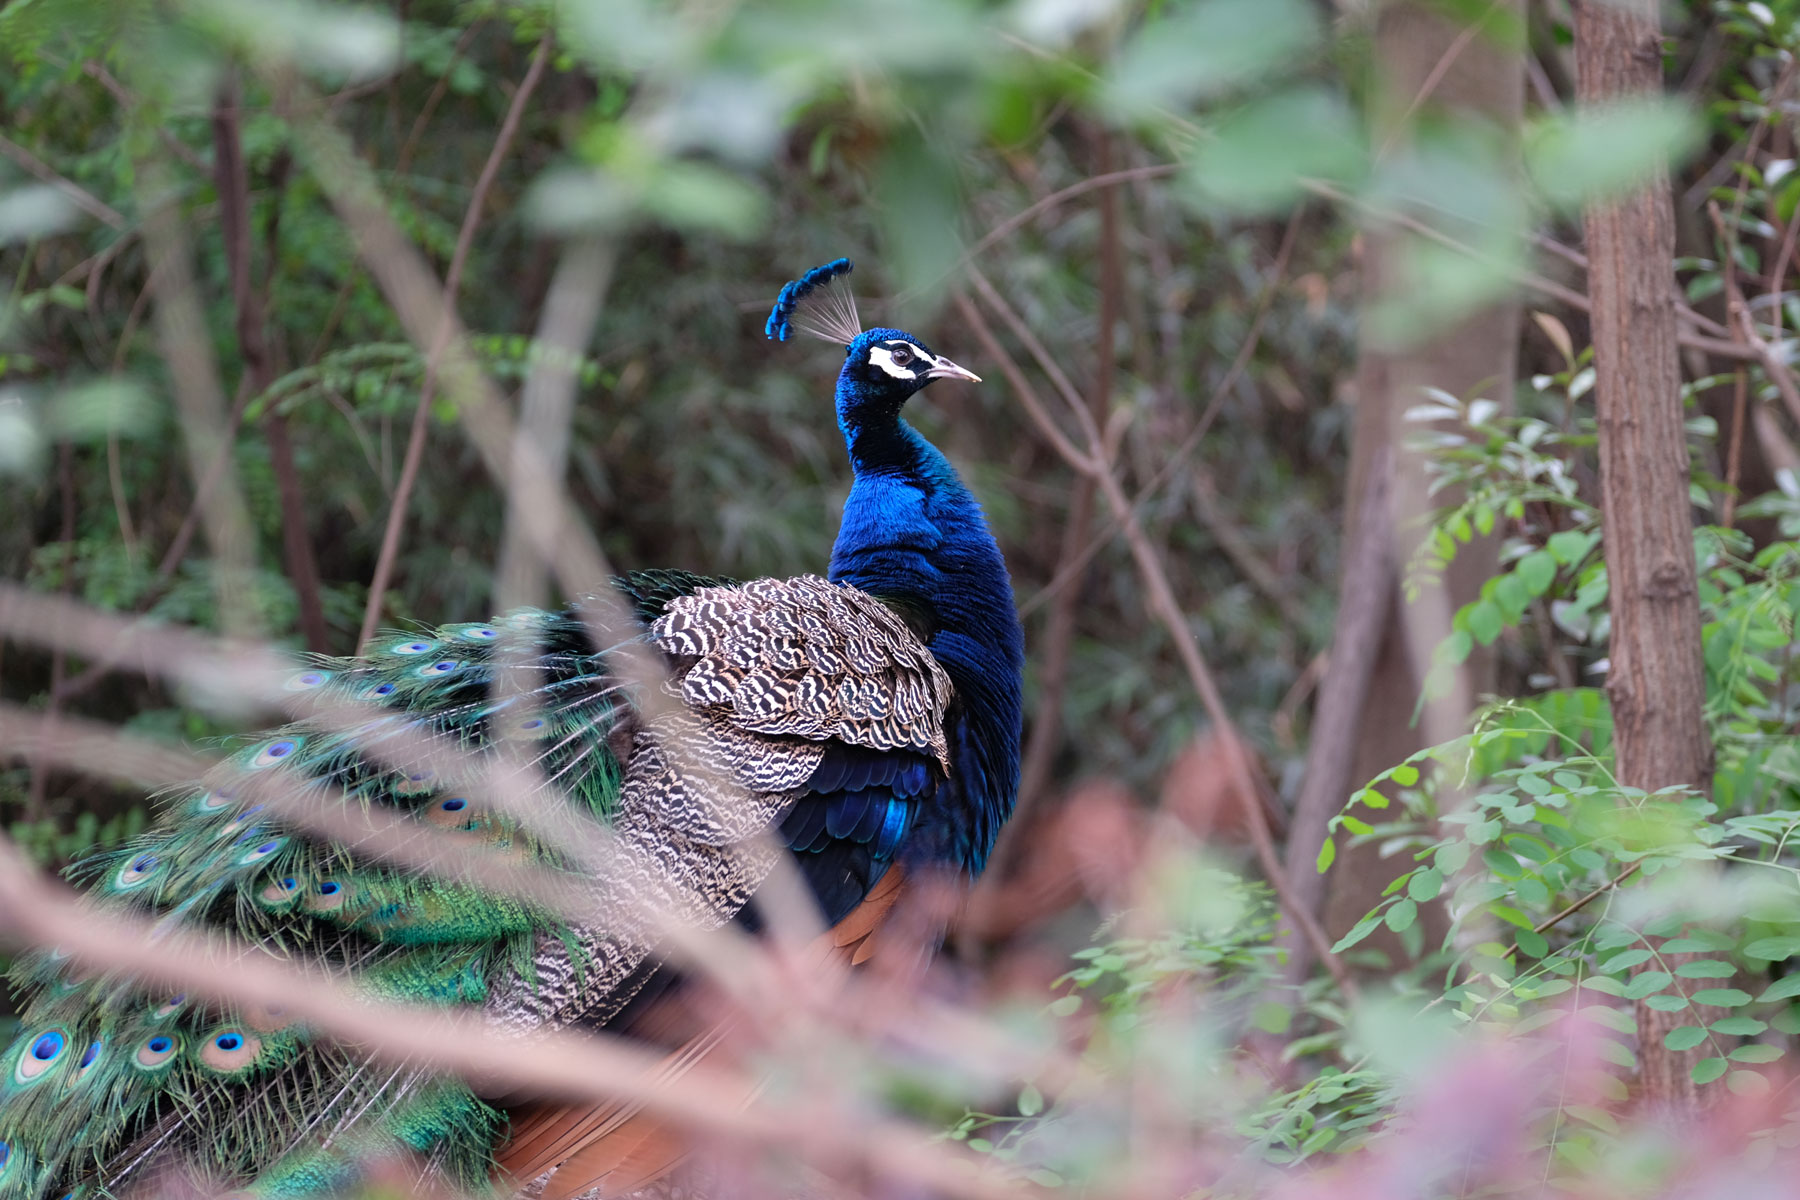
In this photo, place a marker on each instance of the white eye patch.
(883, 357)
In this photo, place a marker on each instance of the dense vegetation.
(1182, 232)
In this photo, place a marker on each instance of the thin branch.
(1243, 554)
(231, 178)
(1162, 603)
(403, 160)
(1365, 599)
(465, 240)
(77, 195)
(1059, 627)
(207, 433)
(1191, 441)
(1744, 322)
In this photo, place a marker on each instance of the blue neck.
(914, 534)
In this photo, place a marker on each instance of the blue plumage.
(872, 718)
(914, 535)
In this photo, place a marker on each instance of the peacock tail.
(865, 719)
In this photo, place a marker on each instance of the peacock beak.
(943, 368)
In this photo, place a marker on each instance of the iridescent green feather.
(108, 1085)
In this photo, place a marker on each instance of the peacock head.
(882, 367)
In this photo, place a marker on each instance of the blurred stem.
(200, 402)
(36, 795)
(465, 239)
(547, 409)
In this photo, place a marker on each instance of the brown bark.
(1382, 645)
(1655, 682)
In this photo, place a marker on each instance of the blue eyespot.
(40, 1056)
(442, 667)
(228, 1041)
(454, 804)
(90, 1056)
(258, 853)
(379, 690)
(5, 1155)
(275, 752)
(481, 633)
(412, 647)
(307, 680)
(330, 888)
(137, 871)
(156, 1050)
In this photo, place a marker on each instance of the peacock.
(863, 724)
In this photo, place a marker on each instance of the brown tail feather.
(614, 1147)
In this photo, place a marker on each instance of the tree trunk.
(1363, 722)
(1656, 682)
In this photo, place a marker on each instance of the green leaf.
(1512, 597)
(1425, 884)
(1031, 1101)
(1624, 960)
(1484, 622)
(1537, 571)
(1706, 968)
(1707, 1070)
(1782, 989)
(1358, 932)
(1327, 855)
(1406, 775)
(1602, 150)
(1261, 155)
(1721, 997)
(1064, 1006)
(1684, 1037)
(1205, 49)
(1401, 915)
(1356, 824)
(1570, 546)
(1756, 1054)
(1646, 983)
(1451, 857)
(1738, 1026)
(1272, 1017)
(1775, 949)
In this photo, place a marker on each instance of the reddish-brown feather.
(617, 1148)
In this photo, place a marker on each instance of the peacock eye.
(902, 356)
